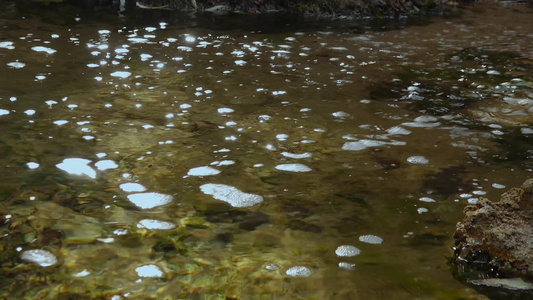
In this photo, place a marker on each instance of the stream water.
(153, 160)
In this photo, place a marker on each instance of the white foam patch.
(149, 200)
(297, 156)
(77, 166)
(426, 199)
(340, 114)
(106, 165)
(32, 165)
(132, 187)
(155, 224)
(423, 122)
(397, 130)
(7, 45)
(41, 257)
(347, 251)
(371, 239)
(152, 271)
(526, 130)
(362, 144)
(82, 273)
(298, 271)
(422, 210)
(16, 65)
(418, 160)
(60, 122)
(226, 163)
(121, 74)
(231, 195)
(498, 186)
(225, 110)
(347, 266)
(43, 49)
(293, 168)
(203, 171)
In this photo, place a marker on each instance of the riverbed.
(158, 159)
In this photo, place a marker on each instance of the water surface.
(188, 162)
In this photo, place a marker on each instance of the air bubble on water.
(422, 210)
(41, 257)
(418, 159)
(347, 266)
(293, 168)
(347, 251)
(371, 239)
(203, 171)
(149, 271)
(132, 187)
(298, 271)
(231, 195)
(149, 200)
(155, 224)
(498, 186)
(426, 199)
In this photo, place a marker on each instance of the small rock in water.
(347, 251)
(298, 271)
(41, 257)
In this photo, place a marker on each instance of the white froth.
(231, 195)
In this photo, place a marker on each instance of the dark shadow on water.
(80, 12)
(469, 273)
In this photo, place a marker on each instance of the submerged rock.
(496, 239)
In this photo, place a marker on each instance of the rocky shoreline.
(494, 243)
(330, 9)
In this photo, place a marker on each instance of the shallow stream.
(167, 161)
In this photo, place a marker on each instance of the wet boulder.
(495, 239)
